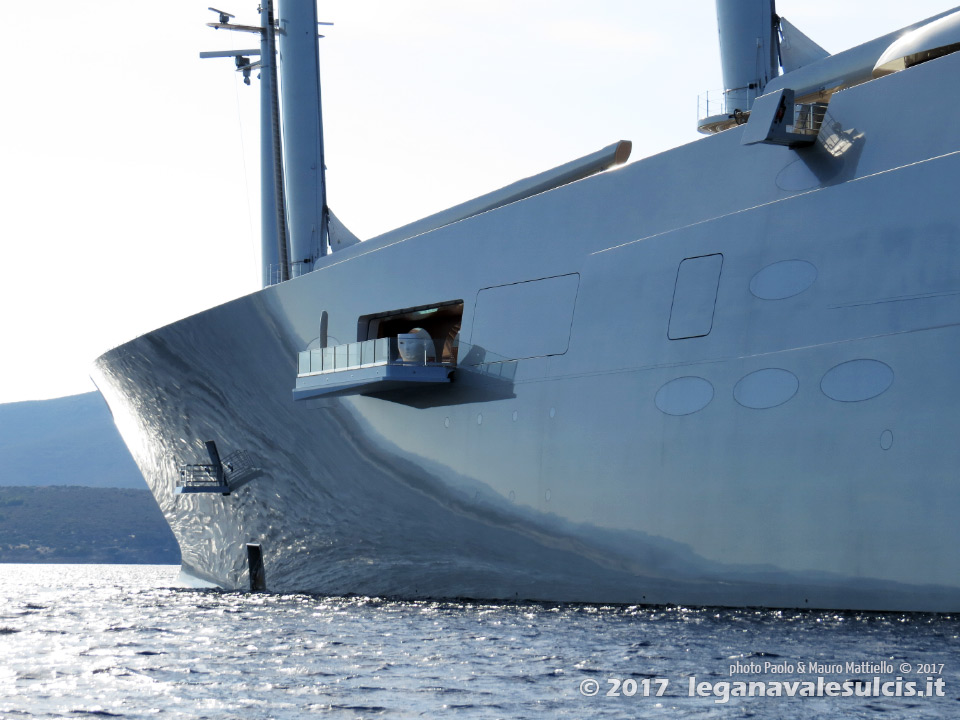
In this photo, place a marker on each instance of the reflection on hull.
(752, 401)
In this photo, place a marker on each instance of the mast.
(749, 50)
(294, 215)
(303, 175)
(273, 226)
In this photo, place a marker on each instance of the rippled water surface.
(81, 640)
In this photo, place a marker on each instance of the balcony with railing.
(392, 363)
(372, 366)
(716, 113)
(777, 119)
(719, 110)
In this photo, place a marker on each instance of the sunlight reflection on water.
(113, 640)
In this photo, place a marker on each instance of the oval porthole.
(886, 439)
(783, 279)
(857, 380)
(766, 388)
(684, 396)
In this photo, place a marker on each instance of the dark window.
(695, 297)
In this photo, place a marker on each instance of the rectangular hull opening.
(258, 579)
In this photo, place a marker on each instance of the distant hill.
(83, 525)
(66, 441)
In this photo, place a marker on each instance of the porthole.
(766, 388)
(783, 279)
(684, 396)
(857, 380)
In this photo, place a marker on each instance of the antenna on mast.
(273, 223)
(225, 24)
(225, 17)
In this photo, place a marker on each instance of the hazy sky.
(129, 180)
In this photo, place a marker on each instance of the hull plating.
(798, 450)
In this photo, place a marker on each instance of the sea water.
(125, 641)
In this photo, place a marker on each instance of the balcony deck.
(364, 368)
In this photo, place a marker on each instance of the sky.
(129, 181)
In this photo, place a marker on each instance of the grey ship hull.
(645, 461)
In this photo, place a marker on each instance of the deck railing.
(809, 117)
(349, 356)
(208, 477)
(386, 351)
